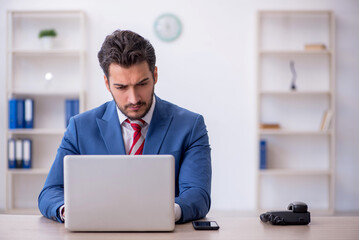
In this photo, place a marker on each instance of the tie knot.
(136, 124)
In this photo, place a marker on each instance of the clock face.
(168, 27)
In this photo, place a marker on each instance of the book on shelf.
(21, 113)
(71, 109)
(19, 153)
(269, 126)
(326, 120)
(29, 113)
(315, 47)
(11, 153)
(27, 153)
(262, 154)
(12, 113)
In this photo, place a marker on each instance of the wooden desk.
(232, 226)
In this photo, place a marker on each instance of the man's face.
(132, 88)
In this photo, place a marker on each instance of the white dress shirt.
(127, 135)
(127, 130)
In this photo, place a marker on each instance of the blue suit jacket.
(173, 130)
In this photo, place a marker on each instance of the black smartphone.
(205, 225)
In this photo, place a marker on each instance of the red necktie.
(138, 139)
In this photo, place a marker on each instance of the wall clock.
(168, 27)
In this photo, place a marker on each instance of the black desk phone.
(297, 214)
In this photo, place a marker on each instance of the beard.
(147, 106)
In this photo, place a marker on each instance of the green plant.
(47, 33)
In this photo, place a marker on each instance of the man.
(136, 122)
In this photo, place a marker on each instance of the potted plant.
(47, 37)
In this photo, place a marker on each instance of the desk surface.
(232, 226)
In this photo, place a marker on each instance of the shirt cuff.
(178, 212)
(62, 217)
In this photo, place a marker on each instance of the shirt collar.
(147, 118)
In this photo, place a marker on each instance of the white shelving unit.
(27, 64)
(300, 156)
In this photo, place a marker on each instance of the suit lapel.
(158, 128)
(110, 130)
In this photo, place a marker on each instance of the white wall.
(211, 70)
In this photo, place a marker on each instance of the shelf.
(52, 92)
(291, 172)
(45, 14)
(30, 171)
(52, 52)
(295, 93)
(48, 76)
(293, 12)
(295, 47)
(292, 132)
(295, 52)
(38, 131)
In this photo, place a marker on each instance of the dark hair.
(126, 48)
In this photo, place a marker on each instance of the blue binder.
(263, 154)
(68, 111)
(18, 153)
(27, 153)
(29, 113)
(12, 113)
(20, 122)
(75, 107)
(71, 109)
(11, 153)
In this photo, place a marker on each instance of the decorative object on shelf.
(269, 126)
(294, 75)
(315, 47)
(47, 38)
(168, 27)
(326, 120)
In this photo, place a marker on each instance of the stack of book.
(315, 47)
(21, 113)
(19, 153)
(269, 126)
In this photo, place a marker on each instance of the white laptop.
(119, 192)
